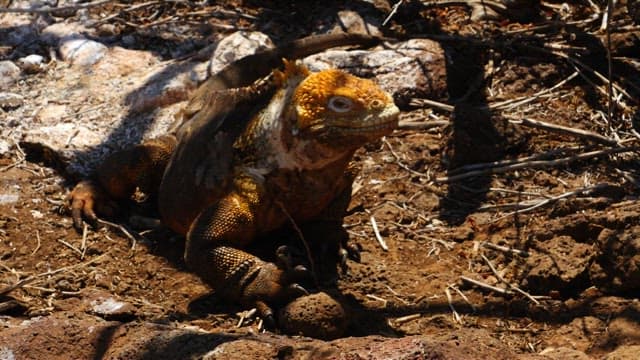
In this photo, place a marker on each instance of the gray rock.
(236, 46)
(62, 135)
(8, 199)
(110, 307)
(4, 147)
(174, 84)
(351, 22)
(82, 52)
(9, 73)
(415, 68)
(10, 100)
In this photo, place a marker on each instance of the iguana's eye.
(376, 104)
(340, 104)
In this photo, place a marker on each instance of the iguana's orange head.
(343, 110)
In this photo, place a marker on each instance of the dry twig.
(376, 232)
(122, 229)
(511, 103)
(377, 298)
(422, 125)
(534, 164)
(551, 200)
(404, 319)
(399, 162)
(505, 249)
(70, 246)
(463, 296)
(456, 315)
(432, 104)
(83, 246)
(246, 315)
(511, 286)
(584, 134)
(395, 8)
(607, 21)
(38, 244)
(485, 285)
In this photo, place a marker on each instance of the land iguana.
(255, 148)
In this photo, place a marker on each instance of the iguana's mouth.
(373, 123)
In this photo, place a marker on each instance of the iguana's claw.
(353, 251)
(283, 254)
(84, 200)
(295, 290)
(285, 261)
(348, 251)
(300, 272)
(266, 314)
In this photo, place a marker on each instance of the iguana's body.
(243, 161)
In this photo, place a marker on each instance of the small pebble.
(32, 64)
(10, 100)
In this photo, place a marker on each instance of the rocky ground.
(500, 221)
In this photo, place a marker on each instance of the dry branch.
(484, 285)
(432, 104)
(504, 249)
(500, 163)
(535, 164)
(584, 134)
(422, 125)
(526, 99)
(553, 199)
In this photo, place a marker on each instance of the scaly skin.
(249, 160)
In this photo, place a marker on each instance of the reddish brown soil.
(583, 263)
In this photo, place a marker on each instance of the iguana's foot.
(85, 200)
(269, 284)
(238, 276)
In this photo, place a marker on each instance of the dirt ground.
(544, 219)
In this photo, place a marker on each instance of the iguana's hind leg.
(139, 167)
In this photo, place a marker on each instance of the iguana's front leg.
(140, 167)
(213, 252)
